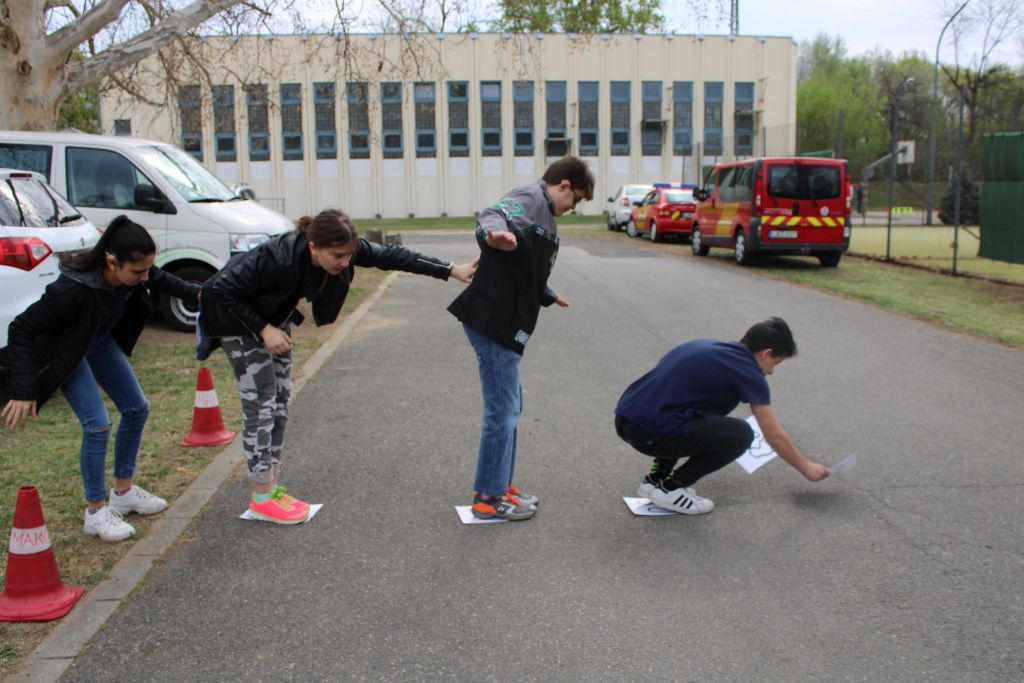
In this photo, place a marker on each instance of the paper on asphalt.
(759, 452)
(844, 465)
(466, 515)
(313, 509)
(645, 508)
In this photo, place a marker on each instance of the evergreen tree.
(969, 202)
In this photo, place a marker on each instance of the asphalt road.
(908, 568)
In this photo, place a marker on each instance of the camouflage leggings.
(265, 387)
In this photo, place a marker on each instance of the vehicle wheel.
(699, 248)
(631, 228)
(177, 313)
(743, 255)
(654, 231)
(830, 259)
(611, 223)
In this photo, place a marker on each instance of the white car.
(37, 226)
(620, 207)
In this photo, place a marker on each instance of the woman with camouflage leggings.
(249, 307)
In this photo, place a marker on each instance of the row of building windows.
(653, 127)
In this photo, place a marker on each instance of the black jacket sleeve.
(394, 257)
(162, 281)
(241, 282)
(52, 315)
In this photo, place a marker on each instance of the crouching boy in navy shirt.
(678, 410)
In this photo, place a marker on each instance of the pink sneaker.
(278, 510)
(290, 499)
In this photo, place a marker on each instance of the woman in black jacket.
(79, 335)
(249, 307)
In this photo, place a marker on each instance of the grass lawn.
(45, 454)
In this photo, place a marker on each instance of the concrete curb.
(52, 657)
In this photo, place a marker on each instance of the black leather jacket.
(51, 337)
(263, 285)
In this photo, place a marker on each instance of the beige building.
(433, 125)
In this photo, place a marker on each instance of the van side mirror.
(638, 202)
(611, 199)
(700, 194)
(147, 197)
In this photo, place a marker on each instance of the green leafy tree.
(580, 16)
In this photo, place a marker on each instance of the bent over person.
(679, 410)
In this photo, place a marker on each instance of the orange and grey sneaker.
(289, 499)
(278, 510)
(503, 507)
(525, 498)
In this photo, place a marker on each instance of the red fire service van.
(775, 205)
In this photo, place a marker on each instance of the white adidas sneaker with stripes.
(685, 501)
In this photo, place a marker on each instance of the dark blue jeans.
(711, 443)
(106, 366)
(503, 404)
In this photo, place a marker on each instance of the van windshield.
(804, 181)
(188, 177)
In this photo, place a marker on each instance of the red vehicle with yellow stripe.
(775, 205)
(666, 210)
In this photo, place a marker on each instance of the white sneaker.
(108, 524)
(682, 500)
(137, 499)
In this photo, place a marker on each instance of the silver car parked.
(37, 225)
(620, 207)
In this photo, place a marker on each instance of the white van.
(198, 223)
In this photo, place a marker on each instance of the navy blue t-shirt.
(697, 378)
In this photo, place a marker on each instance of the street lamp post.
(935, 113)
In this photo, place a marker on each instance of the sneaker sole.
(511, 518)
(138, 512)
(109, 539)
(276, 520)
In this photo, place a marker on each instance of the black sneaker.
(504, 507)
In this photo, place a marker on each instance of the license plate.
(783, 234)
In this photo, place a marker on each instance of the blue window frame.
(323, 111)
(256, 102)
(224, 123)
(458, 118)
(682, 117)
(291, 121)
(391, 119)
(557, 142)
(490, 118)
(588, 110)
(619, 95)
(424, 98)
(356, 94)
(714, 95)
(743, 119)
(522, 118)
(189, 108)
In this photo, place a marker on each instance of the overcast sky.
(864, 25)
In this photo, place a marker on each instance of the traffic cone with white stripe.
(33, 591)
(207, 424)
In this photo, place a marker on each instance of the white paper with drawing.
(759, 452)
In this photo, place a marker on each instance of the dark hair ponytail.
(125, 240)
(329, 228)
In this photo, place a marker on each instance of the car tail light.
(24, 253)
(849, 197)
(757, 200)
(624, 201)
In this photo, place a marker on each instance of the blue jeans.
(105, 365)
(503, 404)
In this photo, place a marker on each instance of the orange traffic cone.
(34, 591)
(207, 425)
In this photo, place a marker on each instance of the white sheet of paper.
(759, 452)
(844, 465)
(313, 509)
(466, 515)
(645, 508)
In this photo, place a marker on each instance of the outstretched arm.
(780, 442)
